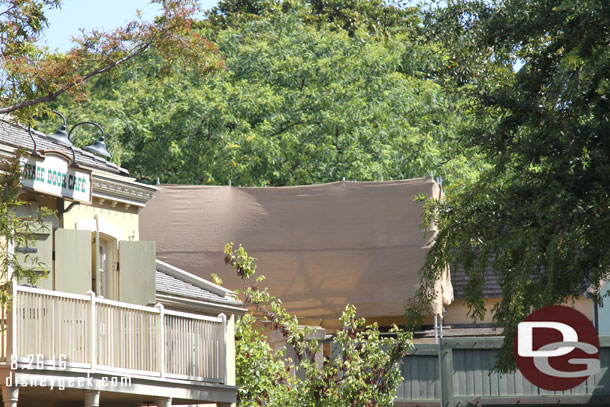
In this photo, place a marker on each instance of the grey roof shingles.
(167, 284)
(18, 136)
(491, 289)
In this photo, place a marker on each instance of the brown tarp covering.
(320, 246)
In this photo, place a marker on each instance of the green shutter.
(137, 272)
(72, 261)
(39, 250)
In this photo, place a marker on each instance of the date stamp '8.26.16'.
(60, 364)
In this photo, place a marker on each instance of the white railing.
(51, 324)
(193, 347)
(127, 336)
(102, 335)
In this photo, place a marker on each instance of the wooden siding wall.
(468, 363)
(420, 372)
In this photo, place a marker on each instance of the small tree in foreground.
(17, 230)
(364, 373)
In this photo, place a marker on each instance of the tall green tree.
(540, 215)
(299, 102)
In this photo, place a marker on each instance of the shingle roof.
(492, 288)
(18, 136)
(171, 285)
(459, 280)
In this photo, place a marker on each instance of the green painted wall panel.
(431, 379)
(72, 261)
(137, 272)
(472, 375)
(421, 378)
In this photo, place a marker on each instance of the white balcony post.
(92, 398)
(161, 344)
(12, 322)
(11, 253)
(223, 317)
(11, 336)
(12, 316)
(93, 333)
(163, 402)
(10, 395)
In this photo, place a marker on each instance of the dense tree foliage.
(364, 373)
(540, 215)
(374, 17)
(301, 101)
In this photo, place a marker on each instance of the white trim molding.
(121, 189)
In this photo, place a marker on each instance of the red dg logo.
(556, 348)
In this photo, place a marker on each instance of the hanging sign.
(53, 175)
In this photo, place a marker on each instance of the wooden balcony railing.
(89, 332)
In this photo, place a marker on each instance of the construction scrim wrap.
(320, 246)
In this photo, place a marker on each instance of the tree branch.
(287, 127)
(53, 96)
(8, 9)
